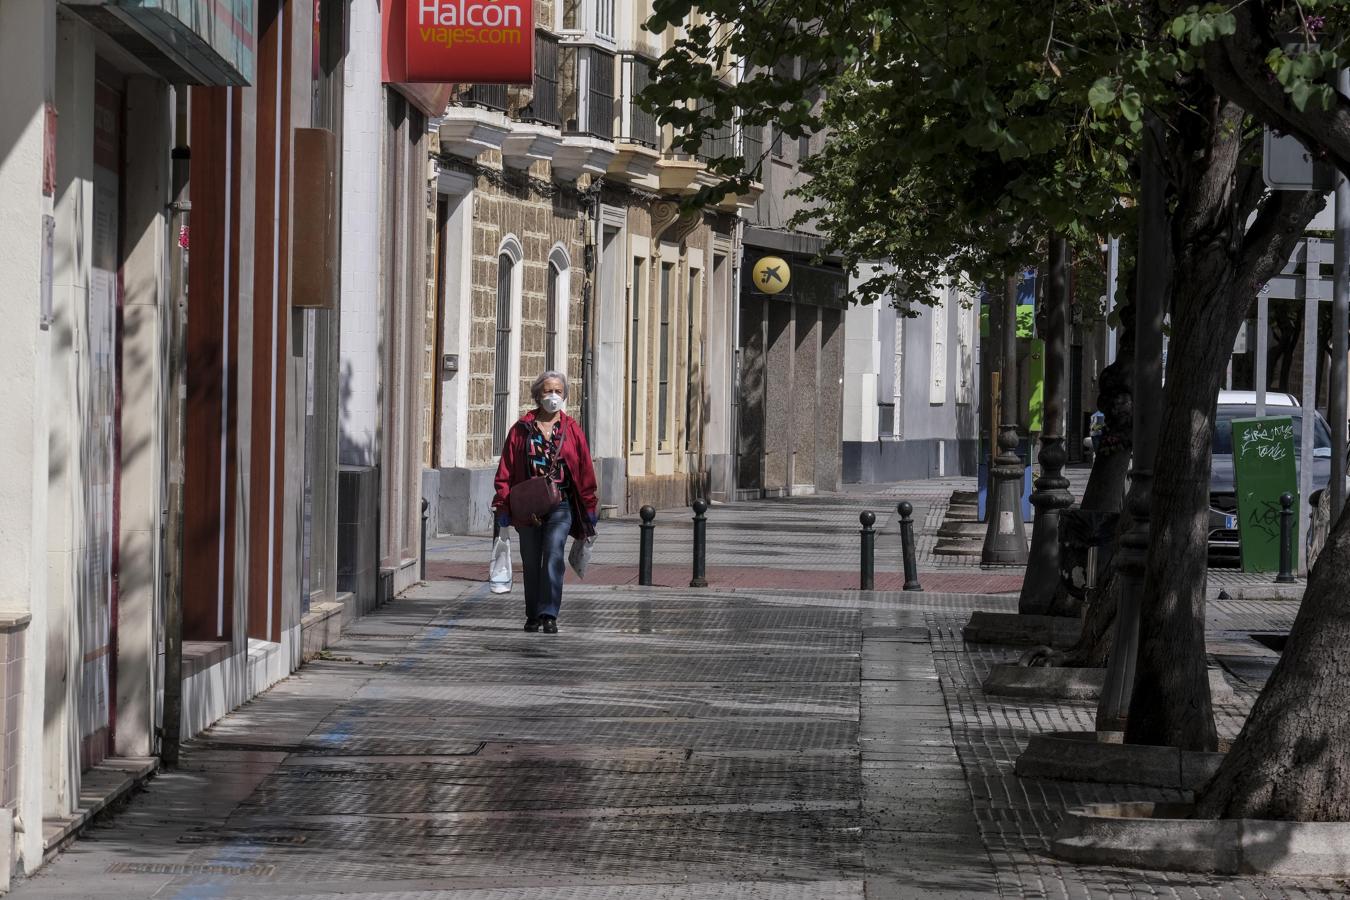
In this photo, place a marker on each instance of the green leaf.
(1299, 94)
(1101, 95)
(1130, 106)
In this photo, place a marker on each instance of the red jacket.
(515, 468)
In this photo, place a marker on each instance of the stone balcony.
(528, 143)
(469, 131)
(581, 154)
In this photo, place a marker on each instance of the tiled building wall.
(539, 218)
(11, 698)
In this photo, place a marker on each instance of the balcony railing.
(543, 106)
(637, 125)
(718, 143)
(486, 96)
(752, 145)
(599, 118)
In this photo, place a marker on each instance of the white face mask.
(551, 402)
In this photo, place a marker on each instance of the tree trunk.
(1093, 648)
(1292, 759)
(1170, 703)
(1218, 266)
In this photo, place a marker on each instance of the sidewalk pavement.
(667, 744)
(802, 543)
(760, 578)
(752, 744)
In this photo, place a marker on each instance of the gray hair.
(537, 386)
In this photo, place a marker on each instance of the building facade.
(912, 387)
(270, 320)
(560, 243)
(790, 344)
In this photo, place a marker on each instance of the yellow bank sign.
(770, 274)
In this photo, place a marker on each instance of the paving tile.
(755, 743)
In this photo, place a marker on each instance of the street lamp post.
(1005, 538)
(1151, 291)
(1052, 488)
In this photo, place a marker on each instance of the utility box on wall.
(314, 246)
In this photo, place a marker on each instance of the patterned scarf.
(546, 453)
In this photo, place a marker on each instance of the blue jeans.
(543, 557)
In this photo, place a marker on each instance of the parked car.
(1223, 529)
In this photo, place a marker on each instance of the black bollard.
(1286, 575)
(906, 511)
(869, 549)
(700, 544)
(425, 514)
(648, 528)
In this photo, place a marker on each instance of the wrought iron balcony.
(598, 120)
(752, 145)
(637, 126)
(543, 105)
(485, 96)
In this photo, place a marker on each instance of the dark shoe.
(532, 624)
(550, 624)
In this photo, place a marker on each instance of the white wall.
(608, 397)
(862, 363)
(363, 134)
(27, 55)
(149, 137)
(720, 341)
(71, 374)
(456, 320)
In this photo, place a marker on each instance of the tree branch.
(1237, 66)
(1280, 222)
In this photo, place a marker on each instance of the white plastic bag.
(499, 569)
(580, 557)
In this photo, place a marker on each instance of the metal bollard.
(906, 511)
(426, 506)
(1286, 575)
(700, 544)
(648, 528)
(869, 549)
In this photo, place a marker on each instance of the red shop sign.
(489, 41)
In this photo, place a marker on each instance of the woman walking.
(547, 462)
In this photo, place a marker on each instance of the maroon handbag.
(533, 499)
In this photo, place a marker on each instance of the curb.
(1101, 757)
(1158, 836)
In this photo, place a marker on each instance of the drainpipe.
(179, 207)
(594, 241)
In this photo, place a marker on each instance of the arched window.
(504, 387)
(558, 292)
